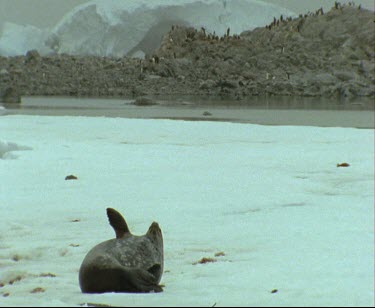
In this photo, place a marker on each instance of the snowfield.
(292, 228)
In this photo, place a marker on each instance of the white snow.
(117, 28)
(270, 197)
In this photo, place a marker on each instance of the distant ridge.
(323, 54)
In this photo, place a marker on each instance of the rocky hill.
(317, 54)
(330, 54)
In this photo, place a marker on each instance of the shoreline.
(266, 112)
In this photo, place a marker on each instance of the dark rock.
(11, 96)
(231, 84)
(71, 177)
(343, 165)
(274, 291)
(144, 101)
(32, 56)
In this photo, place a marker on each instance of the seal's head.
(154, 229)
(155, 235)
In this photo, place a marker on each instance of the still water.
(267, 111)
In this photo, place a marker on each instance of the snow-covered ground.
(271, 198)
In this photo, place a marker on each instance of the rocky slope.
(320, 54)
(315, 55)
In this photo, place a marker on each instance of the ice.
(270, 197)
(18, 39)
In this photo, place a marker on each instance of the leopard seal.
(127, 263)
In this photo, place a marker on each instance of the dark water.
(268, 111)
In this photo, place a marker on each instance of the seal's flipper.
(155, 270)
(143, 282)
(117, 222)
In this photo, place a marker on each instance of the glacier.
(18, 39)
(116, 28)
